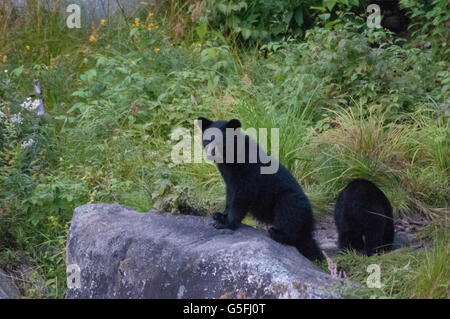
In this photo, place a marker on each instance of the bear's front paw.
(220, 225)
(220, 217)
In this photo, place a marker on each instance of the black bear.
(394, 18)
(363, 216)
(252, 185)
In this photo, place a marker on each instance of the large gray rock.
(8, 290)
(120, 253)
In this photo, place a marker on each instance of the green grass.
(346, 105)
(405, 273)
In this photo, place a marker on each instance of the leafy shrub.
(430, 23)
(33, 207)
(335, 67)
(260, 19)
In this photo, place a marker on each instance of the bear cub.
(275, 198)
(363, 216)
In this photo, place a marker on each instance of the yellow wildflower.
(102, 21)
(5, 58)
(27, 47)
(93, 38)
(149, 29)
(157, 50)
(157, 27)
(150, 14)
(151, 24)
(67, 55)
(171, 44)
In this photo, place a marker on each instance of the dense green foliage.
(349, 102)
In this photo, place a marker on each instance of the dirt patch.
(406, 229)
(326, 235)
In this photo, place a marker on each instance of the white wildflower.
(26, 104)
(35, 104)
(30, 105)
(6, 71)
(17, 118)
(27, 143)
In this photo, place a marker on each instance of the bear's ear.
(203, 122)
(234, 124)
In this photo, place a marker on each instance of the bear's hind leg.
(350, 240)
(309, 248)
(388, 238)
(374, 241)
(343, 240)
(278, 236)
(293, 225)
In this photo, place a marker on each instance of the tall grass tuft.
(363, 143)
